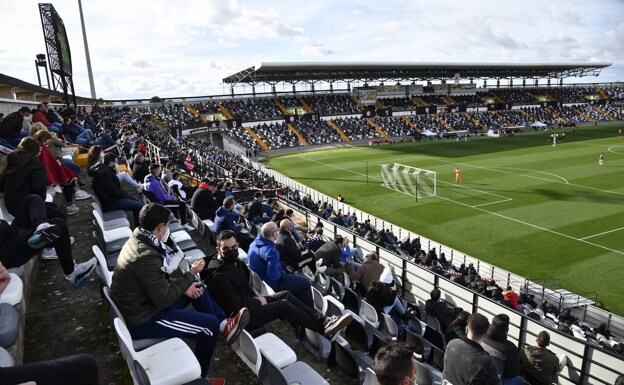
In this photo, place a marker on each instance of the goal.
(413, 181)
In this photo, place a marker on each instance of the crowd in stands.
(356, 128)
(256, 109)
(317, 132)
(394, 126)
(176, 116)
(277, 135)
(334, 104)
(398, 103)
(206, 107)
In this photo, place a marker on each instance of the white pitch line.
(494, 213)
(491, 203)
(615, 152)
(603, 233)
(474, 189)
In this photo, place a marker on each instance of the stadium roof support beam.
(312, 72)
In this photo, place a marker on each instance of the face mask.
(230, 256)
(165, 236)
(115, 166)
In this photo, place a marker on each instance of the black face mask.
(230, 256)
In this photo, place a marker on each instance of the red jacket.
(40, 116)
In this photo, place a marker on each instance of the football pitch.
(528, 207)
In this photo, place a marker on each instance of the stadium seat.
(248, 349)
(111, 224)
(371, 378)
(296, 373)
(320, 302)
(9, 324)
(6, 359)
(390, 326)
(102, 269)
(316, 343)
(169, 362)
(369, 314)
(14, 292)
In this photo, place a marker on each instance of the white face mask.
(165, 236)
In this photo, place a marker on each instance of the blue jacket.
(224, 220)
(153, 185)
(264, 259)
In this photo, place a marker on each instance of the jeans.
(55, 127)
(286, 305)
(71, 165)
(124, 177)
(174, 321)
(396, 306)
(81, 369)
(84, 137)
(15, 141)
(129, 204)
(297, 286)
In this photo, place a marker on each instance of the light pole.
(86, 46)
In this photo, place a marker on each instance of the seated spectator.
(513, 298)
(383, 296)
(368, 272)
(140, 168)
(255, 212)
(394, 364)
(504, 352)
(74, 133)
(229, 284)
(105, 140)
(293, 253)
(39, 116)
(457, 328)
(55, 145)
(155, 186)
(264, 259)
(465, 361)
(95, 152)
(330, 252)
(11, 126)
(153, 303)
(176, 186)
(203, 202)
(224, 220)
(341, 198)
(539, 365)
(107, 188)
(438, 309)
(31, 231)
(316, 240)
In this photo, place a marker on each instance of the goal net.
(409, 180)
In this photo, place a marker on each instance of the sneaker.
(319, 262)
(72, 209)
(81, 272)
(335, 325)
(139, 188)
(58, 189)
(321, 269)
(188, 227)
(72, 240)
(82, 195)
(48, 254)
(44, 235)
(236, 324)
(216, 381)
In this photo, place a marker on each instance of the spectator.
(513, 298)
(140, 168)
(94, 157)
(264, 259)
(11, 126)
(539, 365)
(155, 186)
(457, 328)
(367, 273)
(255, 212)
(383, 296)
(79, 369)
(504, 352)
(39, 116)
(394, 364)
(167, 174)
(203, 202)
(55, 145)
(74, 133)
(330, 253)
(176, 186)
(224, 220)
(105, 140)
(438, 309)
(293, 253)
(32, 230)
(465, 361)
(107, 188)
(153, 303)
(229, 284)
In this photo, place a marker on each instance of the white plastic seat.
(296, 373)
(108, 215)
(6, 359)
(194, 255)
(113, 234)
(180, 236)
(106, 276)
(390, 326)
(14, 291)
(248, 349)
(170, 362)
(242, 255)
(266, 289)
(9, 324)
(320, 302)
(112, 224)
(371, 377)
(369, 314)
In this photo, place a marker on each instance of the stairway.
(281, 107)
(444, 122)
(449, 101)
(258, 139)
(583, 114)
(196, 113)
(228, 115)
(556, 115)
(376, 127)
(604, 113)
(602, 92)
(475, 121)
(357, 102)
(523, 112)
(410, 124)
(338, 130)
(306, 106)
(300, 138)
(380, 104)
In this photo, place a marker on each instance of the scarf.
(171, 257)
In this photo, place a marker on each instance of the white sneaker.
(58, 189)
(72, 240)
(72, 209)
(319, 262)
(320, 270)
(139, 188)
(336, 325)
(82, 195)
(48, 254)
(82, 272)
(188, 227)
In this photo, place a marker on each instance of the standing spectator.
(153, 303)
(504, 352)
(539, 365)
(264, 259)
(394, 364)
(11, 126)
(465, 361)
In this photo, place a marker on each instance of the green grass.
(524, 206)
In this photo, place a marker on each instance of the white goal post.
(409, 180)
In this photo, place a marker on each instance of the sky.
(169, 48)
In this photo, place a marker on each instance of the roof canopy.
(314, 72)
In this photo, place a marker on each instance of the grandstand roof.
(314, 72)
(11, 87)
